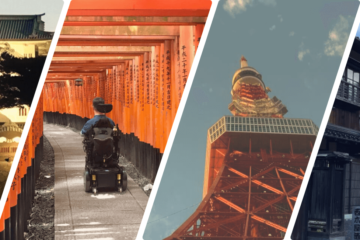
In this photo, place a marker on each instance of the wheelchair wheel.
(124, 181)
(87, 180)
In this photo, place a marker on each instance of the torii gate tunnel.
(137, 56)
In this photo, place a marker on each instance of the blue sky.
(297, 47)
(51, 8)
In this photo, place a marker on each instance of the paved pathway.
(80, 215)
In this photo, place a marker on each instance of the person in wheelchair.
(98, 102)
(101, 138)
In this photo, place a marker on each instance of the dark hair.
(97, 101)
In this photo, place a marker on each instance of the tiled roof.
(44, 35)
(343, 133)
(21, 27)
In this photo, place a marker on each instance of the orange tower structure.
(255, 162)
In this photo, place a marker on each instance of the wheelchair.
(102, 170)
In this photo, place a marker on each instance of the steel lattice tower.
(255, 162)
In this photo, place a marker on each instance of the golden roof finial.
(243, 62)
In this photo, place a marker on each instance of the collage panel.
(330, 208)
(26, 34)
(112, 145)
(101, 125)
(251, 119)
(24, 45)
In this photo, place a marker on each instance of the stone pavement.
(81, 215)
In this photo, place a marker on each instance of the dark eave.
(338, 132)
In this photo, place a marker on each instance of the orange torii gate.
(136, 56)
(18, 206)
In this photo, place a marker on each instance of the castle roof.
(23, 27)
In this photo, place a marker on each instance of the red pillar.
(141, 111)
(186, 53)
(147, 95)
(157, 131)
(162, 126)
(167, 91)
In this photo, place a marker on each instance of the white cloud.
(302, 51)
(302, 54)
(272, 28)
(238, 6)
(338, 37)
(280, 18)
(292, 34)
